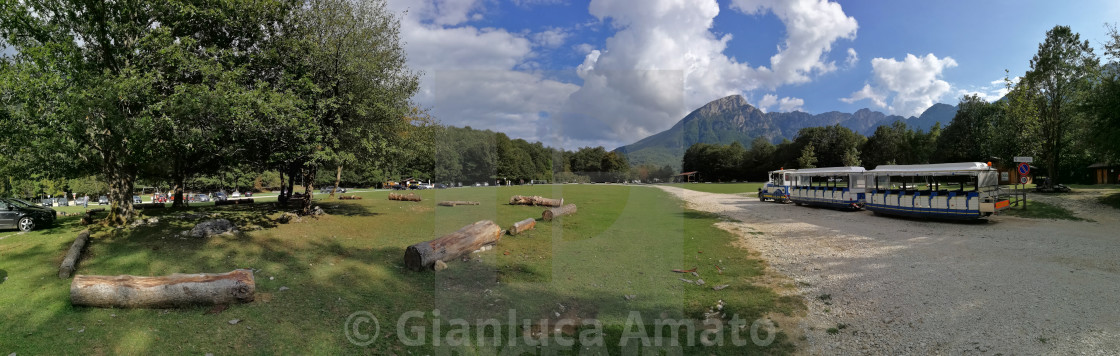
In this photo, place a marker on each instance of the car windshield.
(20, 202)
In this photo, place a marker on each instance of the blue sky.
(587, 73)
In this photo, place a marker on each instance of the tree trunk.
(120, 197)
(553, 213)
(176, 290)
(466, 240)
(535, 201)
(70, 263)
(178, 201)
(457, 202)
(522, 226)
(337, 180)
(308, 188)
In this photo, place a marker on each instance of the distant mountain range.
(731, 119)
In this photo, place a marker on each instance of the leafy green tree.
(808, 157)
(1103, 104)
(969, 137)
(1060, 72)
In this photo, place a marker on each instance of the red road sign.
(1024, 168)
(1023, 180)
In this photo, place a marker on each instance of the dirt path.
(900, 286)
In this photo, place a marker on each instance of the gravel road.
(1006, 286)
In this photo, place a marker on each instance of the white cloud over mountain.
(662, 60)
(912, 84)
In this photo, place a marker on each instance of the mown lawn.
(722, 188)
(624, 241)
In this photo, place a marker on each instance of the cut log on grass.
(553, 213)
(177, 290)
(71, 261)
(403, 197)
(535, 201)
(349, 197)
(470, 238)
(457, 202)
(522, 226)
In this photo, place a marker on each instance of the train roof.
(932, 169)
(829, 170)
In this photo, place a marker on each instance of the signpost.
(1024, 169)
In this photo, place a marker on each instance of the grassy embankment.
(623, 242)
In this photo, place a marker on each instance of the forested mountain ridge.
(732, 119)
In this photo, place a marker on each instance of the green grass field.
(722, 188)
(624, 241)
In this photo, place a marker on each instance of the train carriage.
(947, 190)
(834, 187)
(777, 189)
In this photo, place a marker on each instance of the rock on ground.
(212, 227)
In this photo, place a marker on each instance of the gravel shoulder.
(902, 286)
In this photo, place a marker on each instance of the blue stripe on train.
(924, 212)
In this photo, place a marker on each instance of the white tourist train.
(968, 190)
(836, 187)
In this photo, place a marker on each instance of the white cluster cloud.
(995, 90)
(661, 61)
(913, 84)
(551, 38)
(853, 58)
(471, 75)
(811, 27)
(790, 104)
(664, 60)
(785, 104)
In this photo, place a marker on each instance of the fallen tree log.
(145, 206)
(70, 262)
(522, 226)
(349, 197)
(176, 290)
(470, 238)
(553, 213)
(403, 197)
(457, 202)
(534, 201)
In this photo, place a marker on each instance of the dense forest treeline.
(1064, 112)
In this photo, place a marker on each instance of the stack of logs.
(402, 197)
(534, 201)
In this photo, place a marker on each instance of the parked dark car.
(327, 190)
(103, 200)
(441, 186)
(22, 215)
(219, 196)
(136, 199)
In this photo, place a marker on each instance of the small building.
(1105, 173)
(687, 177)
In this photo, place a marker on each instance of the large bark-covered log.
(457, 202)
(402, 197)
(522, 226)
(470, 238)
(553, 213)
(534, 200)
(70, 263)
(176, 290)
